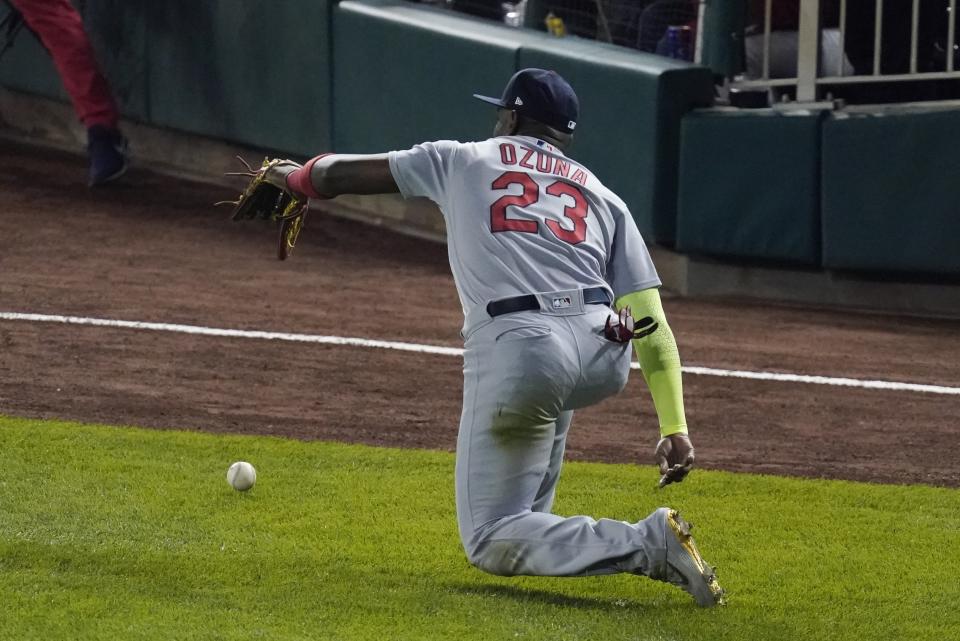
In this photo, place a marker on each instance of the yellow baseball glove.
(263, 200)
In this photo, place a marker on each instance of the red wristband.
(299, 180)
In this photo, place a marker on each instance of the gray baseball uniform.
(522, 218)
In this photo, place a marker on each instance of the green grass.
(115, 533)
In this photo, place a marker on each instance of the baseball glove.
(265, 201)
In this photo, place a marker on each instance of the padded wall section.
(891, 192)
(749, 185)
(117, 31)
(27, 67)
(631, 105)
(252, 71)
(405, 74)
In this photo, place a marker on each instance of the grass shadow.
(528, 595)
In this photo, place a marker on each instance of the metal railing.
(819, 67)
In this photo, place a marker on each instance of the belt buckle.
(562, 303)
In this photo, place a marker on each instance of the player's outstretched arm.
(330, 175)
(656, 350)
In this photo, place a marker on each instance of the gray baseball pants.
(524, 374)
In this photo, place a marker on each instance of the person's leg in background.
(60, 28)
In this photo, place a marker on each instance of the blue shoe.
(107, 149)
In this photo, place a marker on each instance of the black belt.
(591, 296)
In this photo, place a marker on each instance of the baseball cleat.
(107, 149)
(686, 568)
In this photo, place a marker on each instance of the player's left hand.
(675, 457)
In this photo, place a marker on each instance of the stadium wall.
(865, 189)
(218, 68)
(305, 76)
(854, 191)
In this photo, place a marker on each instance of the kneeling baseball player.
(540, 251)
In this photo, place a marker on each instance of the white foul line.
(233, 333)
(823, 380)
(454, 351)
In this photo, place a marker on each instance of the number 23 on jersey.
(564, 192)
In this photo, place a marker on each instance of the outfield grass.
(113, 533)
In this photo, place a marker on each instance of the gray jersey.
(523, 218)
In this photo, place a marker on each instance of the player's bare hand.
(674, 455)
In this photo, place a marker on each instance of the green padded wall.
(749, 185)
(891, 192)
(416, 86)
(119, 34)
(249, 71)
(26, 66)
(631, 105)
(405, 74)
(255, 72)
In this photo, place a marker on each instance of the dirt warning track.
(154, 249)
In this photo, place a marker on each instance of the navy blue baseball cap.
(540, 95)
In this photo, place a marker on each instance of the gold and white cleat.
(686, 568)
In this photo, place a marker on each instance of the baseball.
(241, 476)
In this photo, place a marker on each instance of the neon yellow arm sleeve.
(659, 358)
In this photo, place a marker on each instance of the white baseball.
(241, 476)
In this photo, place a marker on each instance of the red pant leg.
(60, 28)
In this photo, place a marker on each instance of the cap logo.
(518, 102)
(571, 125)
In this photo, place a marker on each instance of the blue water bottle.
(679, 39)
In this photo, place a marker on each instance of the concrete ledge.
(417, 216)
(48, 123)
(704, 278)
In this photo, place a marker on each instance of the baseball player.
(540, 251)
